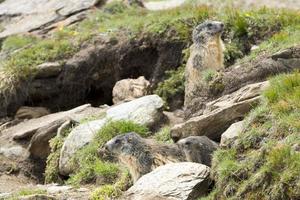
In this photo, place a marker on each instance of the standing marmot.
(141, 155)
(198, 149)
(205, 53)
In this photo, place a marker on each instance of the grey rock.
(47, 70)
(145, 110)
(221, 113)
(39, 143)
(31, 15)
(232, 133)
(13, 152)
(36, 133)
(79, 137)
(176, 181)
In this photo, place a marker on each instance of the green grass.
(26, 192)
(163, 135)
(52, 163)
(16, 42)
(288, 37)
(263, 163)
(90, 166)
(113, 191)
(173, 85)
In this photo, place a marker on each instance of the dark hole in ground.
(98, 96)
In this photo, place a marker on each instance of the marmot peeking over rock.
(205, 53)
(198, 149)
(141, 155)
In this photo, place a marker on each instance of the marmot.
(205, 53)
(198, 149)
(141, 155)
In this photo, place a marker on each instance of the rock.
(39, 143)
(79, 137)
(38, 15)
(245, 93)
(231, 133)
(54, 189)
(37, 197)
(221, 113)
(5, 195)
(13, 152)
(198, 149)
(145, 110)
(28, 128)
(177, 181)
(47, 70)
(26, 112)
(40, 130)
(129, 89)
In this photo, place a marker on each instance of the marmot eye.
(188, 143)
(117, 141)
(209, 25)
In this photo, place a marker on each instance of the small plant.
(172, 86)
(115, 7)
(164, 135)
(113, 191)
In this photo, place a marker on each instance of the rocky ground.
(80, 73)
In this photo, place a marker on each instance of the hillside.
(126, 100)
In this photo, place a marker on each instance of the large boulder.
(129, 89)
(145, 110)
(221, 113)
(176, 181)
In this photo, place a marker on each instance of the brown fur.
(140, 155)
(205, 53)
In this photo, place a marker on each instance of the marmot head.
(197, 149)
(189, 144)
(126, 143)
(208, 29)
